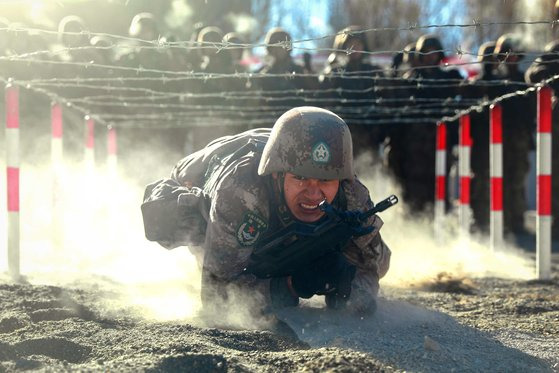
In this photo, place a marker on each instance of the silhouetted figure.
(415, 144)
(353, 77)
(479, 160)
(518, 130)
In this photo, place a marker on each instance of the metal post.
(496, 176)
(544, 219)
(57, 166)
(13, 162)
(464, 172)
(440, 180)
(89, 143)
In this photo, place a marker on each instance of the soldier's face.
(302, 196)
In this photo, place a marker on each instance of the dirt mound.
(66, 328)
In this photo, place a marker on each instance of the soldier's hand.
(330, 274)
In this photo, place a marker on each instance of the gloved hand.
(331, 274)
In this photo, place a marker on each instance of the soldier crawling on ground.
(240, 189)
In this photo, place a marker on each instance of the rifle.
(295, 246)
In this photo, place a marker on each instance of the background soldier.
(350, 73)
(415, 149)
(480, 134)
(518, 130)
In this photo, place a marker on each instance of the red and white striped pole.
(112, 151)
(89, 143)
(57, 165)
(543, 155)
(440, 179)
(464, 172)
(496, 176)
(12, 152)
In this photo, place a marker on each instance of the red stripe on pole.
(90, 136)
(465, 132)
(544, 194)
(111, 141)
(465, 190)
(496, 124)
(12, 107)
(496, 194)
(13, 189)
(441, 136)
(544, 110)
(56, 119)
(440, 188)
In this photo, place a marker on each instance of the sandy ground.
(448, 324)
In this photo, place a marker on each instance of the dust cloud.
(417, 255)
(102, 242)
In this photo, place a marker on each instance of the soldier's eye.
(297, 177)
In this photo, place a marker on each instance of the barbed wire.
(372, 74)
(285, 44)
(370, 109)
(488, 102)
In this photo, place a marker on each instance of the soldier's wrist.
(282, 293)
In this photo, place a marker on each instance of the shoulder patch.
(250, 229)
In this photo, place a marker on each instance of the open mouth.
(305, 206)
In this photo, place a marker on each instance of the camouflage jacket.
(216, 199)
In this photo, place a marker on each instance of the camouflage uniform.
(216, 198)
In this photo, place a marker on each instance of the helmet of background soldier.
(278, 35)
(350, 34)
(508, 44)
(310, 142)
(429, 43)
(144, 27)
(68, 28)
(213, 36)
(105, 45)
(551, 53)
(409, 56)
(486, 52)
(234, 38)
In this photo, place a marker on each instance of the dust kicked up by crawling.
(261, 185)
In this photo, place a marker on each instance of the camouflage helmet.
(508, 44)
(552, 47)
(429, 43)
(278, 35)
(68, 28)
(310, 142)
(409, 55)
(486, 52)
(143, 23)
(348, 34)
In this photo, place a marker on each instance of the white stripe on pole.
(57, 175)
(13, 162)
(496, 176)
(440, 181)
(89, 143)
(543, 155)
(464, 174)
(112, 163)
